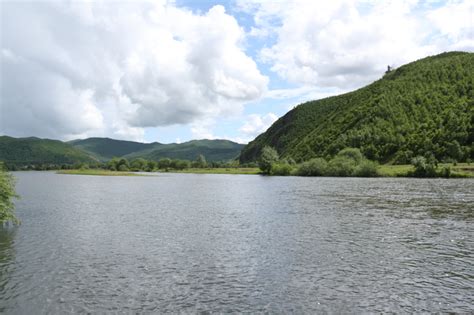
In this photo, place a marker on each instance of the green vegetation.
(211, 150)
(425, 108)
(222, 170)
(97, 172)
(7, 193)
(35, 153)
(105, 149)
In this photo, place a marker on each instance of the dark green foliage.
(423, 107)
(212, 150)
(313, 167)
(268, 157)
(281, 169)
(106, 148)
(7, 193)
(39, 153)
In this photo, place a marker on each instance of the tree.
(7, 193)
(267, 158)
(201, 161)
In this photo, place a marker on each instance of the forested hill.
(106, 148)
(422, 108)
(212, 150)
(35, 151)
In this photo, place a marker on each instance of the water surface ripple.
(229, 243)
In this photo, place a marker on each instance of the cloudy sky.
(171, 71)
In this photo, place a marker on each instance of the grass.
(458, 170)
(96, 172)
(230, 170)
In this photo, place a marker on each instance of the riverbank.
(458, 170)
(234, 171)
(97, 172)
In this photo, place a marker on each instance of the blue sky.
(171, 71)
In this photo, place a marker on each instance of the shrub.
(313, 167)
(351, 153)
(281, 169)
(423, 167)
(341, 166)
(366, 168)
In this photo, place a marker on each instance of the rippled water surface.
(230, 243)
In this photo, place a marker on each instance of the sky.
(172, 71)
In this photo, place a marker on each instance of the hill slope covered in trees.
(35, 151)
(106, 148)
(212, 150)
(422, 108)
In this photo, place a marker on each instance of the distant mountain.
(422, 108)
(213, 150)
(105, 148)
(34, 151)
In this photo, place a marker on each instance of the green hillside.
(422, 108)
(35, 151)
(106, 148)
(213, 150)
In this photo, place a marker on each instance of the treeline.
(349, 162)
(135, 165)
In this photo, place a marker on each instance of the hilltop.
(423, 108)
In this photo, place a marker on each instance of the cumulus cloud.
(346, 44)
(255, 124)
(88, 68)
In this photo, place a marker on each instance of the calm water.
(226, 243)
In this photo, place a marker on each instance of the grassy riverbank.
(234, 171)
(97, 172)
(458, 170)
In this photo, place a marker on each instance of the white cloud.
(256, 124)
(347, 44)
(83, 68)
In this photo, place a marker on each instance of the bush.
(313, 167)
(423, 167)
(366, 168)
(281, 169)
(351, 153)
(341, 166)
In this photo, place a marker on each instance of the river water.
(232, 243)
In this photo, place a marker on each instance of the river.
(232, 243)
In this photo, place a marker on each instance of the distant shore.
(460, 170)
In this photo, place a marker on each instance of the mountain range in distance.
(34, 151)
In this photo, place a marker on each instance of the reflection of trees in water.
(7, 255)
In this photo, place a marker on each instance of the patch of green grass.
(97, 172)
(245, 171)
(458, 170)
